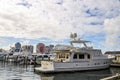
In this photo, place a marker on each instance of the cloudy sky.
(52, 21)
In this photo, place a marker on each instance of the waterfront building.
(27, 48)
(40, 48)
(17, 47)
(48, 49)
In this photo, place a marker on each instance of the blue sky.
(52, 21)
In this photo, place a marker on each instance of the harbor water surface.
(10, 71)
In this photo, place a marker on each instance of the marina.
(26, 72)
(59, 39)
(82, 62)
(79, 60)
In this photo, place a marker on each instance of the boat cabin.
(68, 56)
(81, 56)
(71, 53)
(62, 56)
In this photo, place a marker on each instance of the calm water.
(10, 71)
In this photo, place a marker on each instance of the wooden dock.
(114, 77)
(115, 65)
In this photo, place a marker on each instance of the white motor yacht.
(72, 58)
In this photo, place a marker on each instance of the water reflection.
(85, 75)
(115, 70)
(10, 71)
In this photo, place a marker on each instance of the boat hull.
(48, 67)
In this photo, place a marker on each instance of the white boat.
(71, 58)
(42, 57)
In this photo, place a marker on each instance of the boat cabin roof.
(112, 52)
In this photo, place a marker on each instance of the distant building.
(17, 47)
(48, 49)
(51, 46)
(27, 48)
(40, 48)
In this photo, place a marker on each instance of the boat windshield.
(64, 56)
(81, 44)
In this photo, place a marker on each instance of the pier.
(114, 77)
(115, 65)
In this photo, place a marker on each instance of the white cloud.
(112, 29)
(47, 18)
(56, 19)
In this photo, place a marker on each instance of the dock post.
(34, 61)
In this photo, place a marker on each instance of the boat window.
(62, 56)
(75, 56)
(67, 56)
(39, 56)
(45, 56)
(88, 56)
(81, 56)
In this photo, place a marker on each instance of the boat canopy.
(79, 42)
(62, 47)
